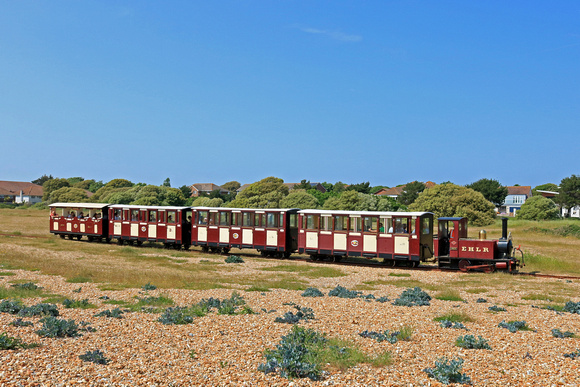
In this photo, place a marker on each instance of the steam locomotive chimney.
(504, 228)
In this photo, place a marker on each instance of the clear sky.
(213, 91)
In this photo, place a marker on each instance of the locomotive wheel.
(463, 265)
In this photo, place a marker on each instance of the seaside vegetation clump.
(413, 297)
(53, 327)
(448, 371)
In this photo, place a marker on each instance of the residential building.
(206, 188)
(515, 198)
(20, 192)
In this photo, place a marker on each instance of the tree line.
(476, 201)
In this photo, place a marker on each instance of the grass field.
(31, 247)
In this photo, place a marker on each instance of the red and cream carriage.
(273, 232)
(76, 220)
(137, 224)
(393, 236)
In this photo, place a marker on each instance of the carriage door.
(401, 227)
(272, 229)
(355, 238)
(311, 221)
(370, 235)
(202, 222)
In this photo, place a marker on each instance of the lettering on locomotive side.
(475, 249)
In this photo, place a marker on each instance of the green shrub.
(301, 314)
(26, 286)
(382, 299)
(39, 310)
(496, 308)
(176, 315)
(572, 307)
(312, 292)
(11, 306)
(573, 355)
(470, 342)
(342, 292)
(481, 300)
(8, 342)
(412, 297)
(451, 324)
(53, 327)
(95, 356)
(390, 337)
(514, 326)
(234, 259)
(21, 323)
(112, 313)
(562, 335)
(448, 371)
(295, 355)
(148, 287)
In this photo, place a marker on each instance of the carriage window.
(153, 216)
(412, 226)
(426, 228)
(213, 218)
(401, 226)
(293, 220)
(257, 220)
(134, 215)
(271, 220)
(202, 217)
(370, 224)
(312, 222)
(247, 219)
(236, 219)
(281, 223)
(340, 223)
(263, 219)
(326, 223)
(161, 217)
(171, 217)
(117, 214)
(224, 218)
(355, 224)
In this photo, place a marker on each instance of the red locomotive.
(398, 238)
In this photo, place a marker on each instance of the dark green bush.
(26, 286)
(481, 300)
(301, 314)
(390, 337)
(342, 292)
(53, 327)
(448, 371)
(470, 342)
(39, 310)
(562, 335)
(95, 356)
(514, 326)
(413, 297)
(573, 355)
(113, 313)
(295, 355)
(21, 323)
(496, 308)
(234, 259)
(176, 315)
(7, 342)
(77, 304)
(11, 306)
(572, 307)
(148, 286)
(312, 292)
(451, 324)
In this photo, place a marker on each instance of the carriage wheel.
(415, 264)
(286, 254)
(389, 262)
(139, 243)
(79, 237)
(463, 265)
(336, 258)
(61, 236)
(70, 237)
(120, 242)
(204, 249)
(186, 247)
(130, 242)
(90, 238)
(225, 250)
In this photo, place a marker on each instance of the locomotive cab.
(450, 231)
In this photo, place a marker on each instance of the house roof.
(206, 187)
(396, 191)
(13, 188)
(520, 190)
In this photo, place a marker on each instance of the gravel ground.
(228, 349)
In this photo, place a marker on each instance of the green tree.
(94, 187)
(569, 196)
(73, 180)
(266, 193)
(173, 197)
(231, 186)
(491, 189)
(538, 208)
(544, 187)
(167, 183)
(454, 200)
(411, 192)
(68, 195)
(119, 183)
(42, 179)
(304, 184)
(84, 184)
(360, 187)
(299, 199)
(52, 185)
(186, 191)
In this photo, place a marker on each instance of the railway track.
(374, 264)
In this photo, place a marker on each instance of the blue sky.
(203, 91)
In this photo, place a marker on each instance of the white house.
(515, 198)
(20, 192)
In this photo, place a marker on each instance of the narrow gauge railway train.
(399, 238)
